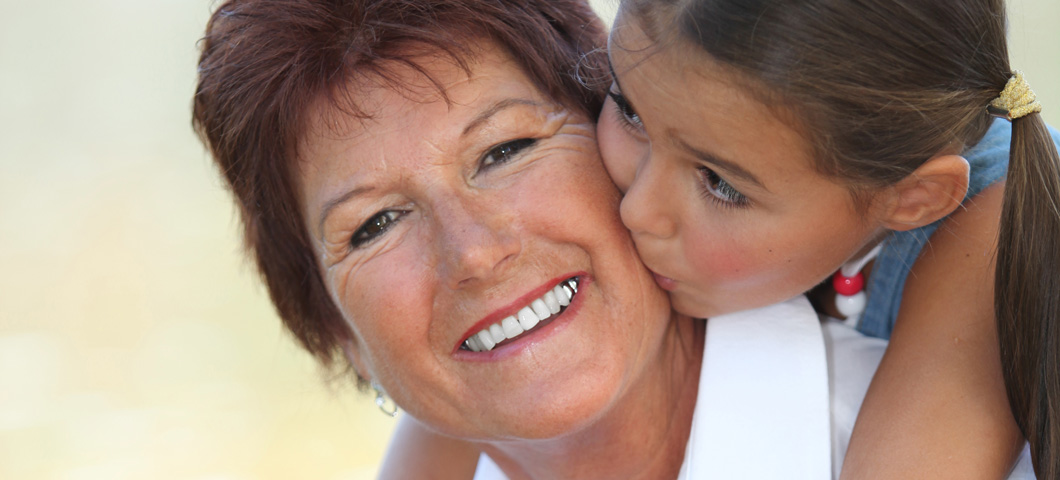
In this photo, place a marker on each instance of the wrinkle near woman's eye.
(375, 227)
(505, 152)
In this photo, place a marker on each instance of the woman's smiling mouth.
(535, 315)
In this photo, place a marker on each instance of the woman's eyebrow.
(481, 118)
(345, 197)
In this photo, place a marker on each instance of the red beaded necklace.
(849, 285)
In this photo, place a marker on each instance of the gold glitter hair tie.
(1016, 100)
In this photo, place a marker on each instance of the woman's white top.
(764, 383)
(779, 392)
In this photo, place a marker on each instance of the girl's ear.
(931, 192)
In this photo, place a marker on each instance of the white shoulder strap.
(763, 408)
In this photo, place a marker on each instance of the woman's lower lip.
(665, 283)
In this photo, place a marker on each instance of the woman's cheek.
(378, 287)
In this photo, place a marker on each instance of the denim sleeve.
(988, 162)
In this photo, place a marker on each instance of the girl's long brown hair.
(880, 86)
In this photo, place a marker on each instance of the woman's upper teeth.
(551, 303)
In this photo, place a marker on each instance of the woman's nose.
(476, 243)
(643, 209)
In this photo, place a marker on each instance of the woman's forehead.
(372, 99)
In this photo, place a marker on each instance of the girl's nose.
(643, 209)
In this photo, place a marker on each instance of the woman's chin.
(558, 387)
(549, 411)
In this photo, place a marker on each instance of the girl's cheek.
(724, 261)
(618, 150)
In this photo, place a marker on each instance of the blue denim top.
(988, 161)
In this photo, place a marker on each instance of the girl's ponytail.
(1027, 285)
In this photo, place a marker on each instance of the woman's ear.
(351, 349)
(931, 192)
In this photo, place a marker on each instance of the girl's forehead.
(675, 60)
(628, 34)
(654, 18)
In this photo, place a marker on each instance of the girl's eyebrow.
(729, 166)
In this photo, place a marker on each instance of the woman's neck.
(643, 435)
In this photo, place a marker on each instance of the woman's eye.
(505, 152)
(629, 116)
(374, 227)
(718, 190)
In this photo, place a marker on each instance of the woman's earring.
(385, 404)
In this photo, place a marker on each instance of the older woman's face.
(435, 220)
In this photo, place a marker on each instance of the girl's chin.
(684, 304)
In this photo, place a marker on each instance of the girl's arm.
(416, 452)
(937, 406)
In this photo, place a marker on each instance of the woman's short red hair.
(264, 62)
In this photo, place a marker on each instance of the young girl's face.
(721, 195)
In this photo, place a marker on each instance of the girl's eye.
(720, 191)
(629, 116)
(505, 152)
(375, 227)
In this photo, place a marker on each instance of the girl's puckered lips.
(665, 283)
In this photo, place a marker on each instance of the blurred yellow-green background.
(135, 340)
